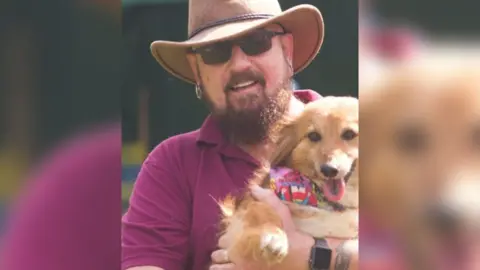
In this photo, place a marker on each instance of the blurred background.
(61, 68)
(401, 26)
(438, 18)
(156, 105)
(403, 32)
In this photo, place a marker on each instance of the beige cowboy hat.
(216, 20)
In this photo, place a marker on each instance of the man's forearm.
(299, 252)
(345, 256)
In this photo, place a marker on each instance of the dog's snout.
(444, 218)
(328, 170)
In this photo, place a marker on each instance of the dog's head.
(421, 133)
(322, 143)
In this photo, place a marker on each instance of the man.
(241, 56)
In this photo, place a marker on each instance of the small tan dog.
(420, 158)
(319, 147)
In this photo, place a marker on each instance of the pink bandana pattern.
(291, 186)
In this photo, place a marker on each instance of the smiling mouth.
(334, 188)
(446, 252)
(450, 255)
(452, 236)
(242, 86)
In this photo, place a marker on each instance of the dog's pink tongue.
(334, 189)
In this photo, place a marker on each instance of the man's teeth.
(244, 84)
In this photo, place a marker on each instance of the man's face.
(248, 93)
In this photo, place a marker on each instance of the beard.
(251, 125)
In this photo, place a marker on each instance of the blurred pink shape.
(69, 215)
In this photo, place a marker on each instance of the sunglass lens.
(256, 43)
(216, 53)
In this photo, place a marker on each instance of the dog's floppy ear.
(285, 139)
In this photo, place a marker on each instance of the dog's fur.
(420, 130)
(254, 230)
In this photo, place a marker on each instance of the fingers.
(269, 197)
(266, 196)
(220, 257)
(223, 242)
(228, 266)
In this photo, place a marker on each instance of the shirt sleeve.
(156, 227)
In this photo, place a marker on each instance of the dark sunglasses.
(255, 43)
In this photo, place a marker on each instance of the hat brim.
(304, 22)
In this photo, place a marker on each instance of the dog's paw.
(264, 246)
(274, 245)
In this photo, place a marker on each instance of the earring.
(198, 91)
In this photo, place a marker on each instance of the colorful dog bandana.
(291, 186)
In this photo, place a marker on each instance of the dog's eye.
(314, 136)
(349, 135)
(411, 140)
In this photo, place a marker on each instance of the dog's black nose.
(328, 171)
(443, 218)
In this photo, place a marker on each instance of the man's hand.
(221, 261)
(300, 244)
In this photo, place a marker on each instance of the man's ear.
(287, 45)
(193, 61)
(285, 140)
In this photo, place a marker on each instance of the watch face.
(321, 258)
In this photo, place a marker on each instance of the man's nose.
(239, 61)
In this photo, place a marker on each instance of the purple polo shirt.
(173, 219)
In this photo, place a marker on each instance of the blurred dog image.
(313, 170)
(420, 159)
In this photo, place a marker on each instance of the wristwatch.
(320, 255)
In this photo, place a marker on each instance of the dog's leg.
(256, 235)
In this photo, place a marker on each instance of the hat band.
(244, 17)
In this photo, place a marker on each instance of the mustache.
(248, 75)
